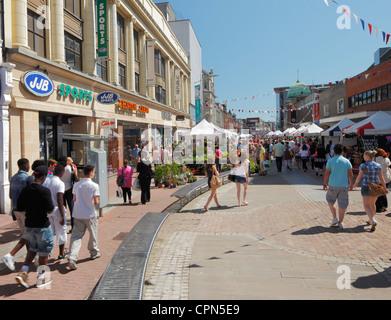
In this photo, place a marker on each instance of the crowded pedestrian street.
(153, 151)
(279, 246)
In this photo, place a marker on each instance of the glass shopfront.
(48, 137)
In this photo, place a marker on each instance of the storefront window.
(132, 135)
(47, 138)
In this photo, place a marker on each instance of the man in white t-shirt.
(86, 198)
(58, 218)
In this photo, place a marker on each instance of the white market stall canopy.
(313, 130)
(204, 128)
(299, 131)
(277, 133)
(377, 124)
(336, 130)
(289, 131)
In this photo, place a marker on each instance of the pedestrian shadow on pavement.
(373, 281)
(321, 229)
(356, 213)
(10, 289)
(202, 210)
(9, 236)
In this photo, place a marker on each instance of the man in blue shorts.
(37, 202)
(338, 181)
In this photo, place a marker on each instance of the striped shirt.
(373, 172)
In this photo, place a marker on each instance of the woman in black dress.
(144, 169)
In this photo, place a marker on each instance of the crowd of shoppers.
(38, 204)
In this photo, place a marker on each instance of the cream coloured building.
(146, 67)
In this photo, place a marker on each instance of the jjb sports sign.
(38, 83)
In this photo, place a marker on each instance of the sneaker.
(334, 222)
(63, 256)
(72, 265)
(9, 261)
(340, 225)
(22, 279)
(95, 256)
(43, 281)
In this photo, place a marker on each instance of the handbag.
(215, 182)
(121, 179)
(375, 190)
(74, 178)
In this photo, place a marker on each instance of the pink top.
(128, 173)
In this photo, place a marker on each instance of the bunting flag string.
(386, 36)
(271, 111)
(359, 77)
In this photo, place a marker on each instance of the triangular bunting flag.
(356, 18)
(366, 76)
(363, 24)
(388, 38)
(384, 36)
(376, 31)
(370, 28)
(326, 2)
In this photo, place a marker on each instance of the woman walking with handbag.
(124, 180)
(145, 176)
(210, 171)
(372, 181)
(241, 177)
(384, 161)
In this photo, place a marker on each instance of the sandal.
(373, 228)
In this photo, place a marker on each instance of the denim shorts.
(240, 179)
(40, 240)
(338, 193)
(365, 191)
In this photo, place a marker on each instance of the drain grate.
(124, 276)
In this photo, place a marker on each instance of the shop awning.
(83, 137)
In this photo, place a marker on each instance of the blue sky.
(257, 45)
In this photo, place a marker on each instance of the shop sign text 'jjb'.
(38, 83)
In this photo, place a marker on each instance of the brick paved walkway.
(288, 212)
(78, 284)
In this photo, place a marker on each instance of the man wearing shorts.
(36, 201)
(338, 181)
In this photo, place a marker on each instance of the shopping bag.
(119, 192)
(136, 184)
(266, 165)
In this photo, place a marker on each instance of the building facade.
(66, 100)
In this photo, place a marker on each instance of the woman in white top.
(384, 161)
(241, 176)
(305, 155)
(68, 180)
